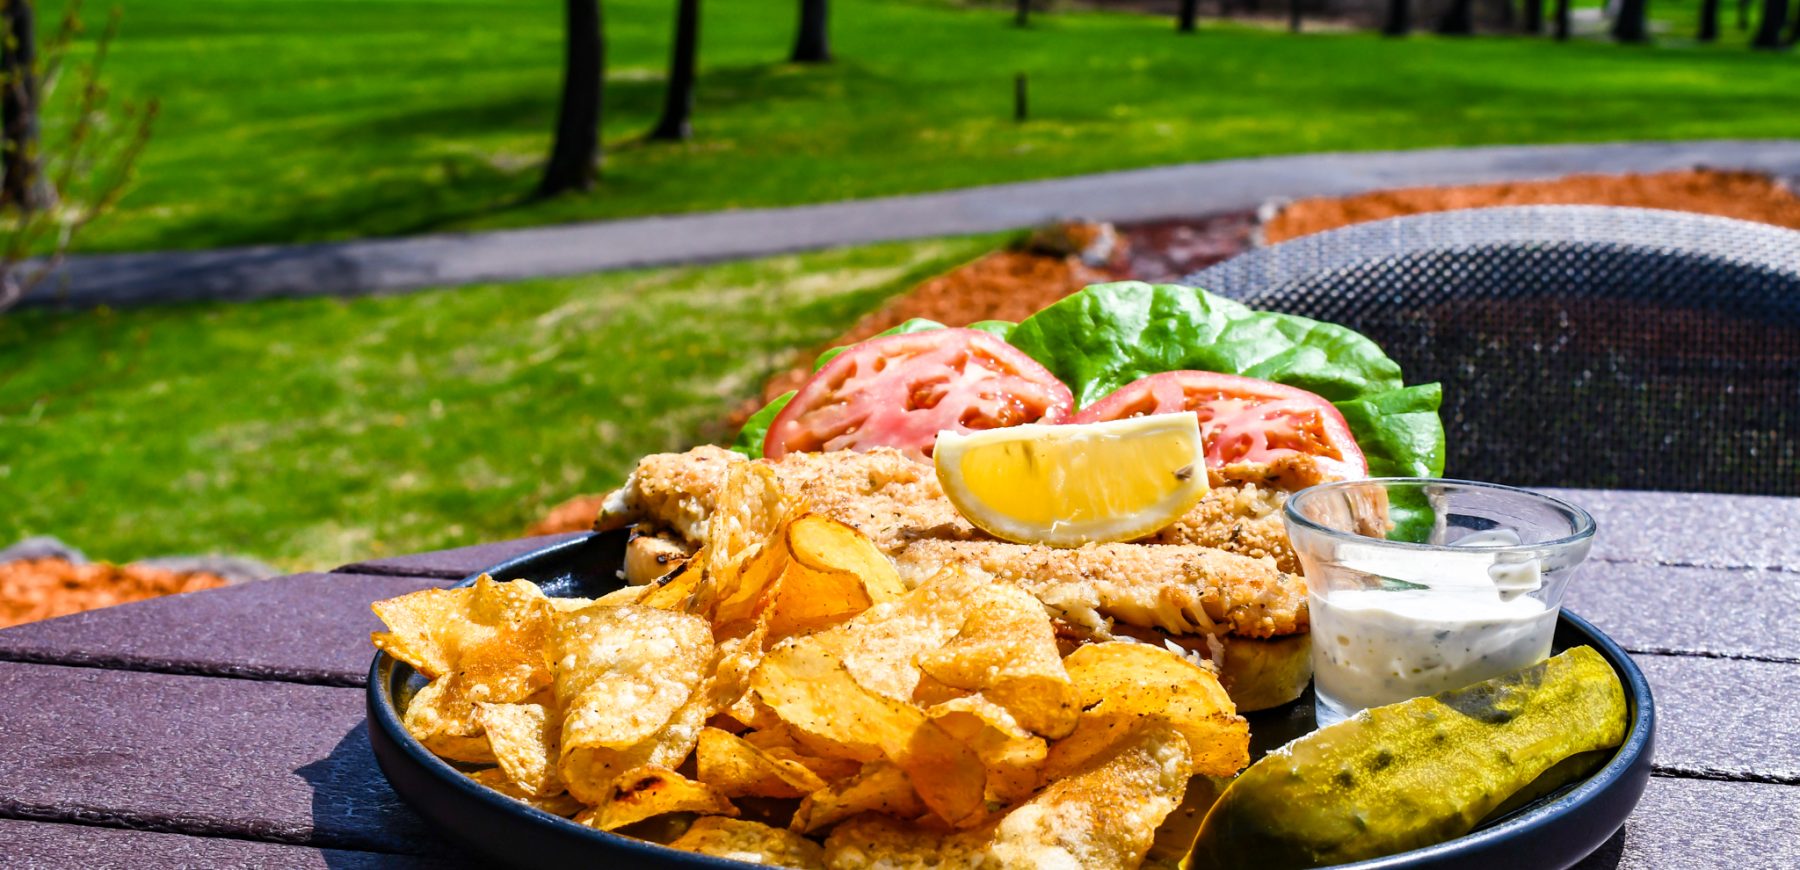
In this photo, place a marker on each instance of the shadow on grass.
(443, 191)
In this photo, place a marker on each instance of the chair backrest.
(1577, 345)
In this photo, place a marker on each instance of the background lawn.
(290, 120)
(318, 432)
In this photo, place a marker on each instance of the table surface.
(226, 728)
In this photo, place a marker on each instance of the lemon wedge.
(1068, 485)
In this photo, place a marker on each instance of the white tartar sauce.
(1442, 623)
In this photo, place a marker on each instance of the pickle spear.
(1412, 774)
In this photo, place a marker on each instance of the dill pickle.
(1413, 774)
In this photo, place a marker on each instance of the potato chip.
(880, 647)
(477, 643)
(1006, 650)
(445, 723)
(870, 841)
(751, 506)
(1012, 755)
(1121, 683)
(1105, 816)
(524, 739)
(832, 573)
(492, 632)
(880, 787)
(752, 842)
(806, 685)
(561, 804)
(629, 680)
(778, 741)
(651, 790)
(738, 769)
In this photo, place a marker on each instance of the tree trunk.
(1294, 16)
(22, 185)
(1508, 16)
(1630, 26)
(1190, 13)
(1022, 13)
(1534, 16)
(1459, 19)
(678, 100)
(1794, 29)
(575, 158)
(1709, 20)
(1743, 20)
(1768, 33)
(813, 44)
(1562, 20)
(1399, 18)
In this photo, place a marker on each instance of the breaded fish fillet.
(1181, 589)
(895, 500)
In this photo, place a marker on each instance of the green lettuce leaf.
(750, 438)
(1109, 335)
(1399, 431)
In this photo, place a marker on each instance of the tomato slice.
(1244, 420)
(900, 391)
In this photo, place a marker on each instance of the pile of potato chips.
(784, 698)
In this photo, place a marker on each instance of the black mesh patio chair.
(1578, 345)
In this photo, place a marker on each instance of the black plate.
(1553, 832)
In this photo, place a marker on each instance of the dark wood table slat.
(1701, 529)
(1699, 823)
(28, 845)
(1711, 611)
(271, 761)
(453, 564)
(1726, 718)
(310, 628)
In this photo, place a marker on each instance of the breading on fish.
(893, 499)
(1180, 589)
(1238, 518)
(1225, 567)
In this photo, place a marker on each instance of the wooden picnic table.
(226, 727)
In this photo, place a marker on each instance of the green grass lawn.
(318, 432)
(289, 120)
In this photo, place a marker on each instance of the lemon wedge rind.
(1069, 485)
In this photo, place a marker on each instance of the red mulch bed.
(34, 589)
(1747, 196)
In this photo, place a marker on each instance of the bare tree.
(1459, 18)
(87, 164)
(1768, 33)
(575, 155)
(1399, 18)
(1562, 20)
(1294, 16)
(1630, 24)
(1190, 14)
(23, 186)
(678, 100)
(1709, 20)
(813, 43)
(1534, 16)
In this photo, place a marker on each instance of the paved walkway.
(391, 265)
